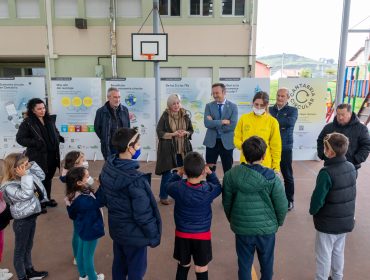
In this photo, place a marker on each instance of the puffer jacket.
(254, 200)
(133, 215)
(20, 195)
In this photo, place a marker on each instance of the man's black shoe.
(290, 205)
(51, 203)
(36, 275)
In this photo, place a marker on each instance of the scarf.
(177, 122)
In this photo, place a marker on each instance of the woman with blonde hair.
(174, 131)
(23, 190)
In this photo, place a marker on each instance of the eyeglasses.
(134, 139)
(327, 143)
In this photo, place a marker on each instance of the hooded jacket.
(20, 194)
(357, 134)
(254, 200)
(133, 215)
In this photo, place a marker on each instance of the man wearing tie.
(220, 118)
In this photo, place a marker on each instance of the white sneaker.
(4, 270)
(74, 261)
(5, 275)
(100, 276)
(83, 278)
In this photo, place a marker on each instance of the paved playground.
(294, 252)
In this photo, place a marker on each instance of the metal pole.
(156, 64)
(342, 52)
(113, 39)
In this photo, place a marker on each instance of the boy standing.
(333, 207)
(193, 215)
(133, 216)
(255, 204)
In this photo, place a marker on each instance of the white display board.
(308, 96)
(138, 95)
(241, 92)
(195, 94)
(75, 102)
(14, 95)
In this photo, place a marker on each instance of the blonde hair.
(12, 161)
(172, 98)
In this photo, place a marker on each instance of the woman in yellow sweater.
(260, 123)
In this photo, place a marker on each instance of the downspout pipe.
(252, 39)
(113, 38)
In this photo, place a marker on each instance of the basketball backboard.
(149, 46)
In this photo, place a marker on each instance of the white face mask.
(85, 164)
(90, 181)
(258, 112)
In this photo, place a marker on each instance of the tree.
(330, 71)
(306, 73)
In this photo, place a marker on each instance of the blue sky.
(309, 28)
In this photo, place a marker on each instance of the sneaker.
(290, 205)
(83, 278)
(36, 275)
(5, 275)
(100, 276)
(74, 261)
(4, 270)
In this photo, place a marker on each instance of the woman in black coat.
(40, 136)
(174, 131)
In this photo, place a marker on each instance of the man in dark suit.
(220, 118)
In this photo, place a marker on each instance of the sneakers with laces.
(36, 275)
(5, 275)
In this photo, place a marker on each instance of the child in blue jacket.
(193, 215)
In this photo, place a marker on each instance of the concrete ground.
(294, 252)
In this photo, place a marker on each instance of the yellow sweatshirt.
(266, 127)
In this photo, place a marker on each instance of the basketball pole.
(156, 63)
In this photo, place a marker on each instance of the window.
(201, 7)
(200, 72)
(170, 72)
(97, 8)
(4, 11)
(169, 7)
(129, 8)
(27, 8)
(231, 72)
(233, 7)
(66, 8)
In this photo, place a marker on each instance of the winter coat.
(166, 152)
(103, 123)
(254, 200)
(358, 136)
(193, 209)
(266, 127)
(133, 215)
(30, 136)
(20, 194)
(287, 117)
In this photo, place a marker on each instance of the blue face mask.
(137, 153)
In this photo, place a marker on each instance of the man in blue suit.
(220, 118)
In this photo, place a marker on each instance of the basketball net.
(149, 56)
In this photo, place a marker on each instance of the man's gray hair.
(172, 98)
(110, 90)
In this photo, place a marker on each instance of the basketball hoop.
(149, 56)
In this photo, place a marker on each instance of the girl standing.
(84, 210)
(22, 188)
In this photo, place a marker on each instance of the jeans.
(287, 172)
(245, 248)
(128, 261)
(85, 258)
(329, 251)
(24, 231)
(166, 176)
(219, 150)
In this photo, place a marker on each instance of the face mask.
(85, 164)
(90, 181)
(258, 112)
(137, 153)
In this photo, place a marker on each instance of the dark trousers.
(287, 172)
(219, 150)
(128, 262)
(166, 176)
(24, 231)
(245, 248)
(52, 167)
